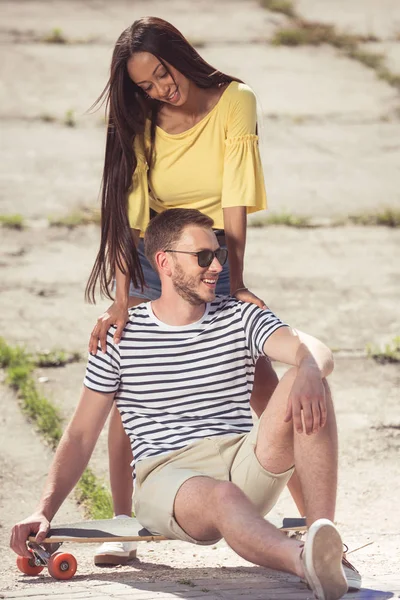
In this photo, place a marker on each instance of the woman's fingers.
(94, 340)
(248, 296)
(118, 332)
(115, 315)
(105, 324)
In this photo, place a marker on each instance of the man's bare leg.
(207, 509)
(314, 456)
(265, 382)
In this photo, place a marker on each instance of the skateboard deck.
(126, 530)
(102, 530)
(63, 565)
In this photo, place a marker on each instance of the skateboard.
(63, 565)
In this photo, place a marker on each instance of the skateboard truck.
(42, 553)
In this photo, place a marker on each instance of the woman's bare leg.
(265, 382)
(120, 456)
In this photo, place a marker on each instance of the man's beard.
(184, 286)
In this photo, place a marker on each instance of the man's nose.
(216, 265)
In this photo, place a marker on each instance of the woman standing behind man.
(180, 134)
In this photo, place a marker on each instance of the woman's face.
(149, 73)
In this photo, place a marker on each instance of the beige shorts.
(226, 458)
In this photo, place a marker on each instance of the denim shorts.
(152, 288)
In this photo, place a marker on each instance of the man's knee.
(225, 492)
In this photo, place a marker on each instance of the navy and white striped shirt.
(177, 384)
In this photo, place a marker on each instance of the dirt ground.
(329, 141)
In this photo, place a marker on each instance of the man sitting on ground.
(182, 378)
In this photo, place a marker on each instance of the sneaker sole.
(111, 560)
(322, 559)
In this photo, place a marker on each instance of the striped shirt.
(177, 384)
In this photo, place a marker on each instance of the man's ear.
(162, 260)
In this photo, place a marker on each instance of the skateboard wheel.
(62, 565)
(27, 566)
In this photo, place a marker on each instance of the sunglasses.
(205, 257)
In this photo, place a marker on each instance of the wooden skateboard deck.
(126, 530)
(102, 530)
(62, 565)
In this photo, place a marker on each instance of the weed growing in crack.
(19, 366)
(389, 354)
(12, 221)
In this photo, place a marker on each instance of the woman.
(180, 134)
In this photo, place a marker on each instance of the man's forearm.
(315, 355)
(69, 462)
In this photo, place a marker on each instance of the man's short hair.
(165, 230)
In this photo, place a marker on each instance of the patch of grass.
(56, 358)
(186, 582)
(94, 496)
(389, 217)
(55, 36)
(18, 374)
(389, 354)
(391, 78)
(41, 412)
(284, 7)
(310, 33)
(76, 218)
(12, 221)
(46, 118)
(372, 60)
(283, 218)
(69, 119)
(19, 366)
(11, 355)
(313, 33)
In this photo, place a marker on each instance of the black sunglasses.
(205, 257)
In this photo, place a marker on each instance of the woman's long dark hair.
(128, 108)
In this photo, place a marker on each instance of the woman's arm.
(235, 221)
(117, 313)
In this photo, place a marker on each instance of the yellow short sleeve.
(243, 179)
(138, 199)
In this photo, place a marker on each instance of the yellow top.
(213, 165)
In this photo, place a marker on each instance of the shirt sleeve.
(103, 370)
(138, 199)
(259, 324)
(243, 179)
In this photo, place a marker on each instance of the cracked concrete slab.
(199, 20)
(364, 17)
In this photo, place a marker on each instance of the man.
(182, 378)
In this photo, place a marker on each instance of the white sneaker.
(322, 561)
(115, 553)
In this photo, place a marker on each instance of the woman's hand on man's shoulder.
(117, 315)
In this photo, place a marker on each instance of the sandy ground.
(329, 136)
